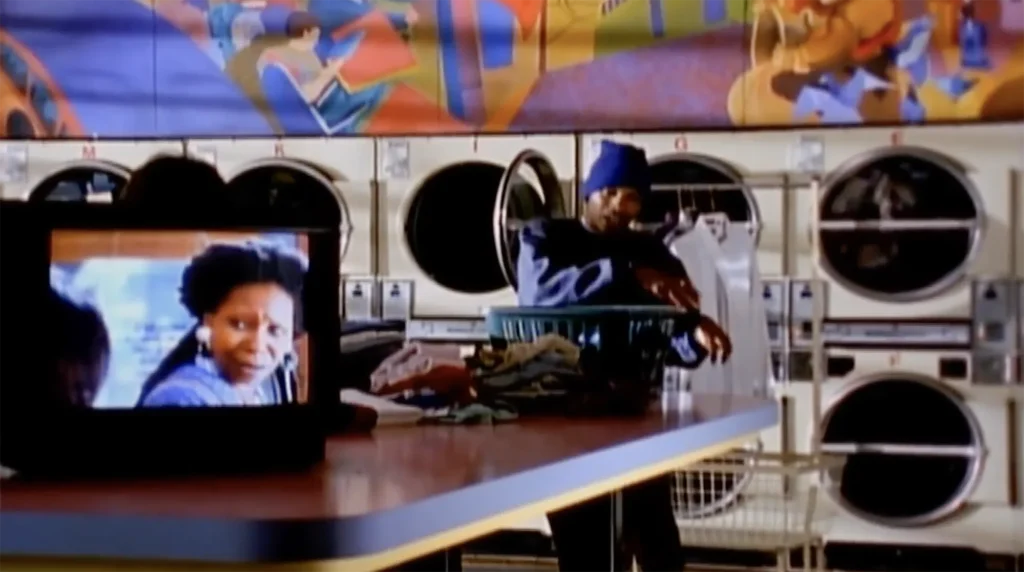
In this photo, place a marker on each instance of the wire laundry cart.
(752, 500)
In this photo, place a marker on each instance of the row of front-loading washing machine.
(920, 224)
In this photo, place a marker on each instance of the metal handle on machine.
(901, 449)
(898, 224)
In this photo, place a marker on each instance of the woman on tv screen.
(246, 299)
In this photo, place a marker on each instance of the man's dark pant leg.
(584, 537)
(449, 560)
(584, 534)
(649, 525)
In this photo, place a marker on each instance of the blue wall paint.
(449, 58)
(658, 18)
(497, 29)
(129, 71)
(715, 11)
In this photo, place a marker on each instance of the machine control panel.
(447, 330)
(897, 334)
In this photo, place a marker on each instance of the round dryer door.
(902, 469)
(687, 186)
(883, 218)
(529, 189)
(91, 181)
(295, 186)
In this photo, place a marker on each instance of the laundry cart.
(753, 500)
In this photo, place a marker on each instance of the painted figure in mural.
(855, 61)
(834, 61)
(299, 59)
(247, 301)
(599, 260)
(973, 40)
(294, 58)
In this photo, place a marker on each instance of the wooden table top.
(374, 493)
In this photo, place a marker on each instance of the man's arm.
(544, 280)
(690, 352)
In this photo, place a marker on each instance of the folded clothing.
(417, 367)
(491, 386)
(548, 363)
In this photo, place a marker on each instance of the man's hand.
(714, 340)
(670, 289)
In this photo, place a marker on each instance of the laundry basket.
(750, 500)
(623, 343)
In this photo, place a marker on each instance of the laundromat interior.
(923, 226)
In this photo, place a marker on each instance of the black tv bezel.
(50, 441)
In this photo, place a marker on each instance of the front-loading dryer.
(75, 170)
(332, 173)
(438, 218)
(927, 448)
(904, 219)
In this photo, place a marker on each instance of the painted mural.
(173, 68)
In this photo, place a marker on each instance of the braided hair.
(211, 277)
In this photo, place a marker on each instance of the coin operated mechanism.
(368, 298)
(789, 309)
(996, 331)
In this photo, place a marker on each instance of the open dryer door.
(86, 180)
(529, 189)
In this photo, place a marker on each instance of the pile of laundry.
(441, 383)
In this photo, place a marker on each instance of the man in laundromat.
(599, 260)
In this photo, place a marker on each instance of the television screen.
(179, 318)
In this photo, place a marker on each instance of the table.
(378, 500)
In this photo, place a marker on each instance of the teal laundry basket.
(623, 344)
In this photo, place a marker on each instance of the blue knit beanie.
(618, 165)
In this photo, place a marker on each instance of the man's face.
(613, 209)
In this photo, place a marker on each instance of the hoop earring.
(203, 335)
(290, 362)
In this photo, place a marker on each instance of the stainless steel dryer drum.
(899, 224)
(688, 185)
(915, 449)
(294, 184)
(83, 180)
(448, 221)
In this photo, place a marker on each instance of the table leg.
(616, 539)
(449, 560)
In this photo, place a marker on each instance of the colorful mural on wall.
(170, 68)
